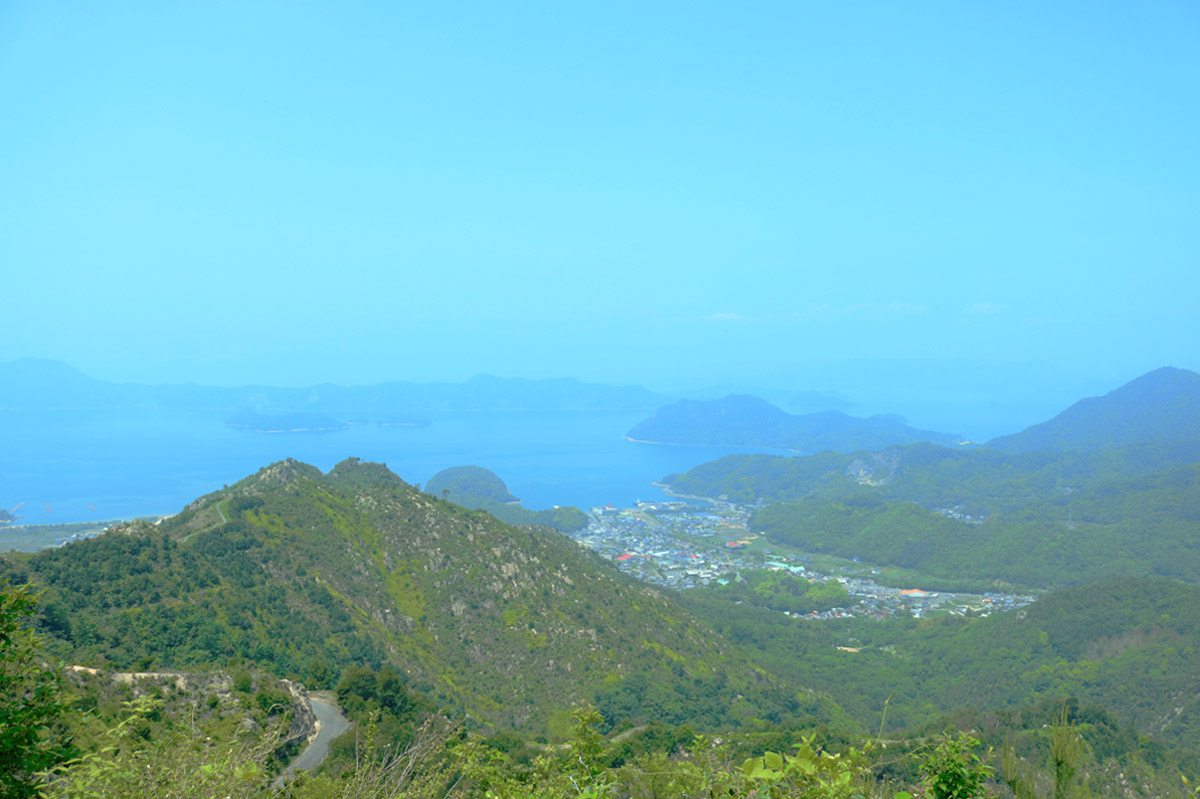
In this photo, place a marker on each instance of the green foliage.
(419, 770)
(780, 591)
(1127, 649)
(381, 701)
(564, 519)
(953, 770)
(31, 738)
(809, 772)
(182, 765)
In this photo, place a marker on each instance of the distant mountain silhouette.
(743, 420)
(39, 383)
(1163, 405)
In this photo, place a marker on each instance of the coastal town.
(687, 543)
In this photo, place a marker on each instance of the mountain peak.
(357, 473)
(366, 570)
(283, 472)
(1162, 405)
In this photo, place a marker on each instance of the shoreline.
(666, 489)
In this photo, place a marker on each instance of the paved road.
(333, 724)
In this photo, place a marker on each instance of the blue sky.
(785, 194)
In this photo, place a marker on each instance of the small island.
(482, 489)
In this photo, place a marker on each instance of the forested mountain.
(742, 420)
(1144, 526)
(1163, 405)
(482, 489)
(982, 481)
(35, 383)
(1037, 519)
(1125, 651)
(308, 574)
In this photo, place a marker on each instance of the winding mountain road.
(330, 724)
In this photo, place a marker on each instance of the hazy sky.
(663, 193)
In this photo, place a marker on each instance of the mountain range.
(1039, 518)
(745, 421)
(35, 383)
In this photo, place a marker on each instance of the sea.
(92, 465)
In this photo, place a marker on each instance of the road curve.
(330, 724)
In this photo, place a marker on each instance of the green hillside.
(1141, 526)
(1163, 405)
(309, 574)
(1038, 519)
(1127, 648)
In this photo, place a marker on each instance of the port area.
(685, 544)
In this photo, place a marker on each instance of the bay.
(124, 463)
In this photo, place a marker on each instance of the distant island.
(471, 486)
(482, 489)
(255, 422)
(39, 383)
(746, 421)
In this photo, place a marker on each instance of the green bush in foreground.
(30, 699)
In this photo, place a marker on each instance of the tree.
(30, 699)
(953, 770)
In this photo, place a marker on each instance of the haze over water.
(782, 195)
(136, 463)
(970, 215)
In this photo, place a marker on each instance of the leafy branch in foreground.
(30, 698)
(178, 766)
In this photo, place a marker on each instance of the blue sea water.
(139, 462)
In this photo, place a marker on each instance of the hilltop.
(482, 489)
(308, 574)
(470, 486)
(743, 420)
